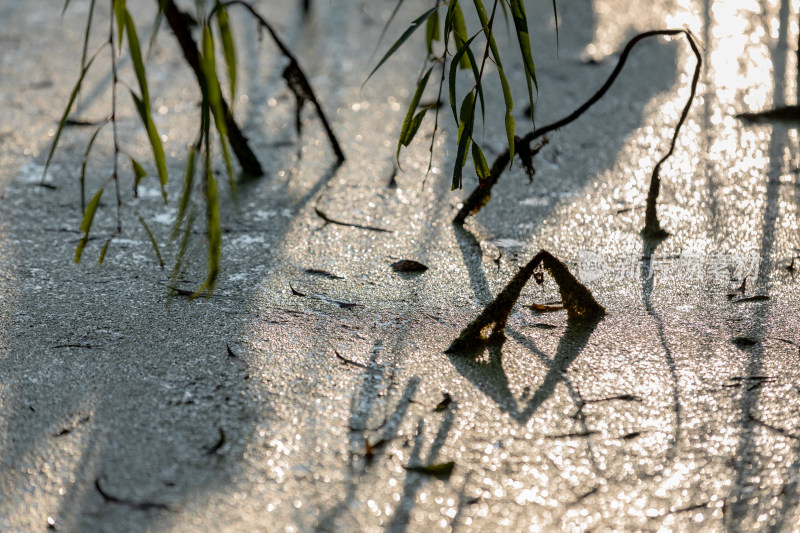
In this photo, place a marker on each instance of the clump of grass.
(577, 299)
(481, 195)
(215, 115)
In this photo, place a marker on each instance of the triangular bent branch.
(578, 301)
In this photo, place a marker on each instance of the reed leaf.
(465, 122)
(119, 15)
(412, 121)
(188, 181)
(155, 143)
(479, 160)
(432, 31)
(151, 237)
(228, 47)
(415, 24)
(85, 162)
(136, 59)
(521, 25)
(139, 174)
(86, 223)
(63, 120)
(451, 79)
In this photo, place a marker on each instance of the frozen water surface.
(676, 412)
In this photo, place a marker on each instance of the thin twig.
(114, 82)
(480, 196)
(142, 506)
(177, 21)
(329, 220)
(345, 360)
(294, 65)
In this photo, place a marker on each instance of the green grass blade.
(104, 249)
(86, 33)
(432, 31)
(152, 238)
(510, 125)
(226, 156)
(155, 143)
(156, 26)
(466, 119)
(63, 120)
(478, 82)
(136, 59)
(479, 160)
(451, 78)
(188, 181)
(521, 25)
(530, 96)
(389, 22)
(212, 83)
(505, 15)
(214, 230)
(139, 174)
(415, 24)
(460, 36)
(184, 245)
(555, 14)
(119, 14)
(484, 18)
(86, 161)
(415, 124)
(448, 21)
(86, 223)
(215, 102)
(509, 119)
(214, 234)
(507, 97)
(228, 48)
(406, 133)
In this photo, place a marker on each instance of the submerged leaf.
(408, 265)
(540, 308)
(323, 273)
(445, 403)
(744, 342)
(754, 298)
(439, 470)
(789, 114)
